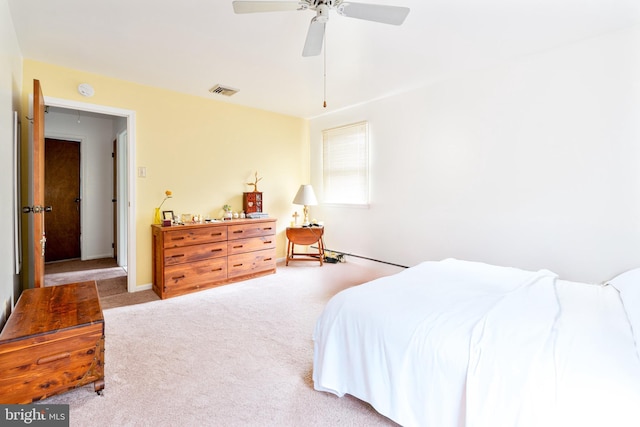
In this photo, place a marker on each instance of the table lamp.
(305, 197)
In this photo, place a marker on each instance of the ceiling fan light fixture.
(322, 13)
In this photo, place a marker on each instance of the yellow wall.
(204, 150)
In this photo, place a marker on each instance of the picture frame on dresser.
(167, 215)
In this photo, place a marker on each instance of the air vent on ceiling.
(223, 90)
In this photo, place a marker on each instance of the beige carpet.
(236, 355)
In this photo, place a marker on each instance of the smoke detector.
(85, 89)
(223, 90)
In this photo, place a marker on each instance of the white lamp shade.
(305, 196)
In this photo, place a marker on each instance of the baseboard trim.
(144, 287)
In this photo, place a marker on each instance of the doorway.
(125, 215)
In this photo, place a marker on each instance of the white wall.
(533, 164)
(10, 84)
(96, 133)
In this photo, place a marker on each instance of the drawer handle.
(238, 231)
(267, 259)
(177, 256)
(217, 269)
(53, 358)
(237, 265)
(216, 234)
(178, 277)
(238, 246)
(216, 250)
(178, 238)
(267, 242)
(267, 228)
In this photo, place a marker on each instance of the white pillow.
(627, 280)
(628, 285)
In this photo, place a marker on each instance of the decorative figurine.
(255, 184)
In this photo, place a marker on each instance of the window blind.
(346, 164)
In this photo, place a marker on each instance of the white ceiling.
(191, 45)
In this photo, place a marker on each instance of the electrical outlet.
(142, 172)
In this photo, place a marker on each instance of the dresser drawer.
(181, 275)
(249, 245)
(190, 236)
(251, 262)
(183, 254)
(243, 231)
(39, 367)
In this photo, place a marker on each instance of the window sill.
(347, 205)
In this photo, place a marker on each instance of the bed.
(457, 343)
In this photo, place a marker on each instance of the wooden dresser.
(188, 258)
(52, 342)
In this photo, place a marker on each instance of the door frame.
(121, 142)
(130, 115)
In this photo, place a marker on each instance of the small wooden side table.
(305, 236)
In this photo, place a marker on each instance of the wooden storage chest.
(188, 258)
(52, 342)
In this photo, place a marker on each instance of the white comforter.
(455, 343)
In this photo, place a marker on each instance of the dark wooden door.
(62, 192)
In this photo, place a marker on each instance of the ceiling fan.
(394, 15)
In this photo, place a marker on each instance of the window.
(345, 167)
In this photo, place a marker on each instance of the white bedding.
(455, 343)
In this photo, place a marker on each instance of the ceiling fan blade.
(315, 37)
(240, 6)
(394, 15)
